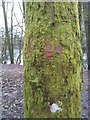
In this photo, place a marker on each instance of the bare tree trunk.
(23, 4)
(12, 47)
(4, 48)
(7, 32)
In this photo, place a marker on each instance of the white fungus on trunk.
(55, 107)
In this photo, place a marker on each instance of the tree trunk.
(23, 5)
(7, 32)
(88, 32)
(52, 61)
(12, 46)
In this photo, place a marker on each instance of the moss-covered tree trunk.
(52, 61)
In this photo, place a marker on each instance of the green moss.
(48, 80)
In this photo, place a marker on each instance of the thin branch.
(20, 7)
(18, 22)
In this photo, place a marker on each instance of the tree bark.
(88, 32)
(52, 60)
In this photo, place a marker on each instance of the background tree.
(11, 39)
(7, 33)
(52, 60)
(86, 42)
(12, 48)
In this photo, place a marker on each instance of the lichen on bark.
(52, 60)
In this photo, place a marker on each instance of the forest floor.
(11, 81)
